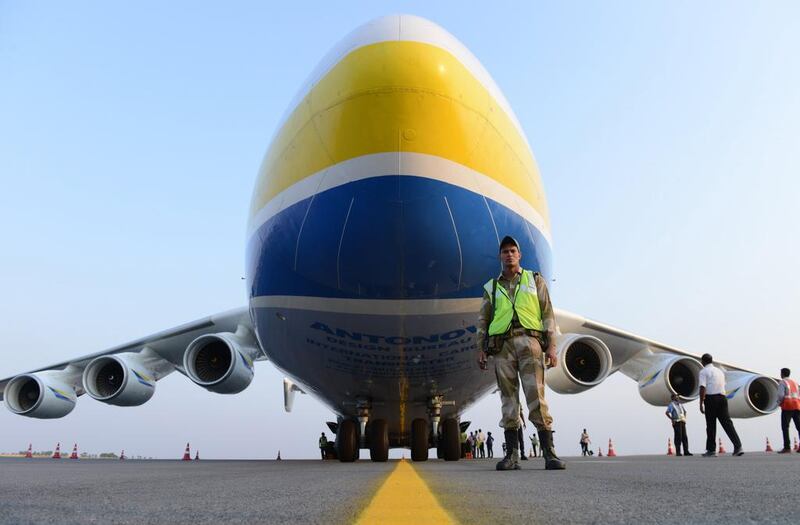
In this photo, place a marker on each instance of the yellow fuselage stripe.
(399, 96)
(404, 498)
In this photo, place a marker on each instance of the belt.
(524, 331)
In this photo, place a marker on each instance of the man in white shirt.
(714, 405)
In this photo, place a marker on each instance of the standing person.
(714, 405)
(789, 396)
(481, 441)
(534, 445)
(489, 443)
(464, 444)
(521, 434)
(517, 327)
(471, 443)
(323, 445)
(676, 413)
(584, 441)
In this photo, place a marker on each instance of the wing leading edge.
(216, 352)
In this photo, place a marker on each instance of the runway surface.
(756, 488)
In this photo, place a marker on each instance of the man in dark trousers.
(323, 444)
(789, 398)
(521, 435)
(489, 443)
(677, 415)
(714, 405)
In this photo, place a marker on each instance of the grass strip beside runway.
(404, 498)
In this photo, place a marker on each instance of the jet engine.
(584, 361)
(750, 395)
(120, 379)
(661, 375)
(39, 395)
(221, 363)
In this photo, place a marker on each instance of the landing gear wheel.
(451, 440)
(347, 442)
(379, 440)
(419, 440)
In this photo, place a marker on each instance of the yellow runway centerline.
(404, 498)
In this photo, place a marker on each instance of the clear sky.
(667, 134)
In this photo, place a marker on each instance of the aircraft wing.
(590, 351)
(222, 346)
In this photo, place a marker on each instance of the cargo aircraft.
(374, 223)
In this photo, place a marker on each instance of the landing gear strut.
(435, 405)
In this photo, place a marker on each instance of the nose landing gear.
(446, 437)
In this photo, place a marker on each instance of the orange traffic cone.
(74, 454)
(599, 452)
(611, 452)
(769, 447)
(197, 455)
(721, 448)
(186, 455)
(670, 450)
(57, 453)
(29, 453)
(122, 455)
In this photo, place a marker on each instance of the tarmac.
(755, 488)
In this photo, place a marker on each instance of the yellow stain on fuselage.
(400, 96)
(404, 498)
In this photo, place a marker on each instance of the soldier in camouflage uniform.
(516, 322)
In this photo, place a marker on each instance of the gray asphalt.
(193, 492)
(756, 488)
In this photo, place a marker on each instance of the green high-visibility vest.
(525, 304)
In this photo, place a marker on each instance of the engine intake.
(668, 374)
(120, 380)
(39, 395)
(750, 395)
(220, 363)
(584, 361)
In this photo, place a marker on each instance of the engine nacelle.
(219, 362)
(584, 361)
(668, 374)
(750, 395)
(120, 379)
(39, 395)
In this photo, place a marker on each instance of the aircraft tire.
(451, 440)
(379, 440)
(347, 441)
(419, 440)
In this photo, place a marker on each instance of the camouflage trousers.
(521, 359)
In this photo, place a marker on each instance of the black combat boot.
(511, 461)
(551, 461)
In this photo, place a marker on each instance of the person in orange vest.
(790, 407)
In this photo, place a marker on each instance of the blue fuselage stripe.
(388, 237)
